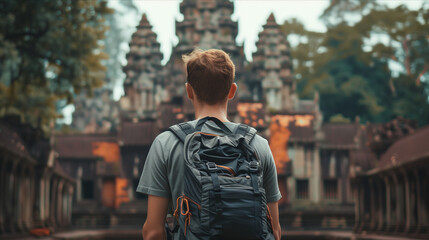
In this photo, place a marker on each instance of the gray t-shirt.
(163, 172)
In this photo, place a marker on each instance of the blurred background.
(339, 88)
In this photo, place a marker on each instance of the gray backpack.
(223, 194)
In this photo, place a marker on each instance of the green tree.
(408, 47)
(305, 52)
(119, 33)
(353, 71)
(49, 50)
(349, 80)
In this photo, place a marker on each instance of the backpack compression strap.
(248, 132)
(182, 130)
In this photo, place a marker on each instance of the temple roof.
(382, 136)
(411, 148)
(138, 134)
(271, 21)
(271, 18)
(144, 23)
(11, 140)
(80, 146)
(58, 170)
(340, 135)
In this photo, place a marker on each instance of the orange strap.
(187, 213)
(176, 211)
(184, 202)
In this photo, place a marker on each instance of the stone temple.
(333, 176)
(313, 162)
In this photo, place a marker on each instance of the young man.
(210, 76)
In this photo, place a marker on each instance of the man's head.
(211, 74)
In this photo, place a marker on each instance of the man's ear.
(189, 91)
(232, 91)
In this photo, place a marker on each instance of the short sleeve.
(154, 178)
(271, 186)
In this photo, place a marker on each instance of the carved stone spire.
(206, 24)
(272, 64)
(142, 70)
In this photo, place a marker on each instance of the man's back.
(163, 173)
(210, 85)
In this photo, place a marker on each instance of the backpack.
(223, 195)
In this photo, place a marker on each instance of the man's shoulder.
(260, 143)
(166, 138)
(168, 135)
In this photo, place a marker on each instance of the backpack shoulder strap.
(248, 132)
(181, 130)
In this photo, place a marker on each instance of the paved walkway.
(337, 235)
(111, 234)
(86, 235)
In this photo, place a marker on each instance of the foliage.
(340, 11)
(351, 64)
(49, 50)
(117, 34)
(304, 53)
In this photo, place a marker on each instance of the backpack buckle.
(211, 166)
(254, 166)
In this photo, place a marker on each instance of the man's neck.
(218, 111)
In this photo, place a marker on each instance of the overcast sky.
(250, 14)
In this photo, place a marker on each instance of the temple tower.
(206, 24)
(272, 64)
(143, 73)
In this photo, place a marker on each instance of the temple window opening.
(302, 189)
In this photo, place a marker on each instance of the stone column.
(27, 201)
(59, 203)
(399, 203)
(79, 184)
(38, 190)
(14, 204)
(373, 204)
(4, 187)
(317, 175)
(357, 205)
(413, 198)
(344, 179)
(66, 206)
(22, 196)
(70, 199)
(362, 214)
(46, 181)
(425, 198)
(381, 203)
(53, 200)
(32, 200)
(388, 214)
(419, 200)
(407, 196)
(10, 196)
(47, 197)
